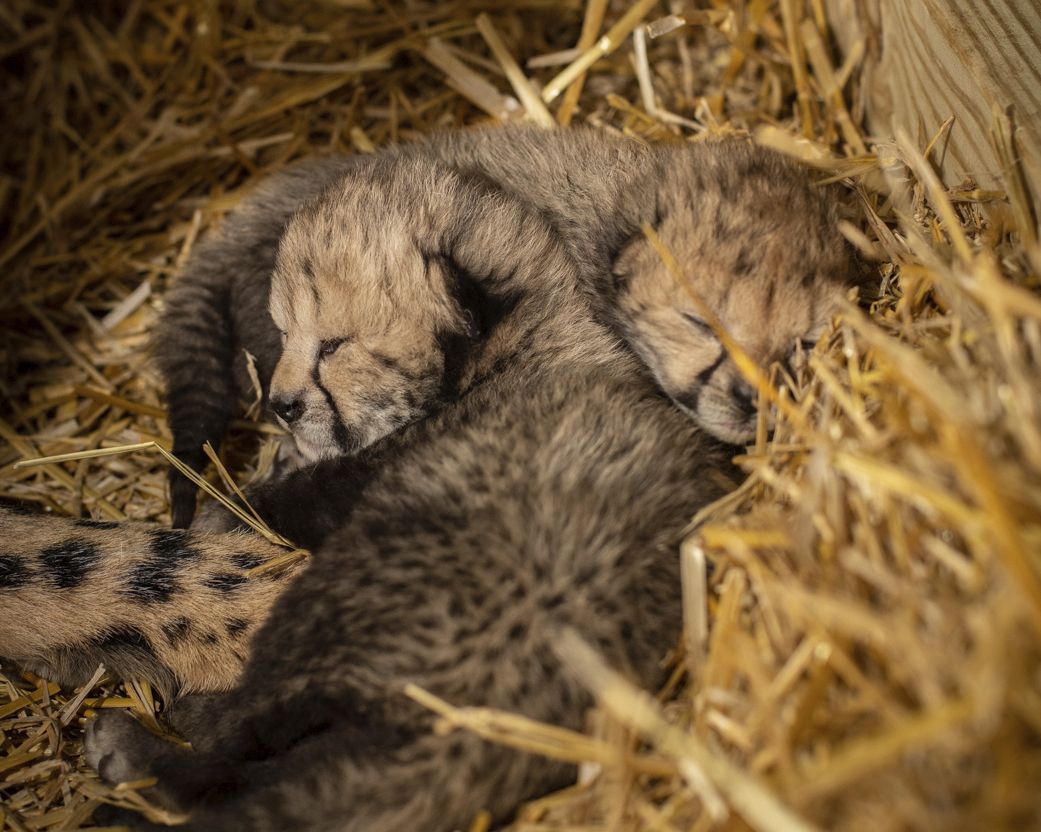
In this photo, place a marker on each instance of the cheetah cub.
(395, 337)
(756, 239)
(453, 553)
(549, 495)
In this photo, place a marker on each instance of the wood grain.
(927, 60)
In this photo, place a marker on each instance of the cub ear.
(481, 307)
(498, 247)
(624, 259)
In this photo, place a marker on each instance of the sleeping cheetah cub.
(548, 494)
(401, 347)
(451, 554)
(756, 238)
(426, 303)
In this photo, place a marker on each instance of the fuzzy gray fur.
(549, 495)
(546, 491)
(757, 240)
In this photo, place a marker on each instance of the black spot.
(68, 563)
(246, 560)
(13, 572)
(517, 631)
(225, 581)
(171, 544)
(743, 264)
(154, 580)
(553, 601)
(211, 638)
(125, 641)
(151, 582)
(659, 214)
(177, 630)
(809, 279)
(455, 750)
(235, 626)
(88, 523)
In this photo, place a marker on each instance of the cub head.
(757, 242)
(388, 289)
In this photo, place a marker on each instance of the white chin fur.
(735, 434)
(310, 451)
(731, 432)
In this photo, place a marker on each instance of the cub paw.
(117, 747)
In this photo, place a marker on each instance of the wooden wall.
(929, 59)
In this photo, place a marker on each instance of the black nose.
(743, 395)
(288, 410)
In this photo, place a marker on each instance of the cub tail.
(173, 607)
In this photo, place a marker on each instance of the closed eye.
(327, 348)
(697, 323)
(796, 357)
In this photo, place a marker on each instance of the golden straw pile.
(861, 650)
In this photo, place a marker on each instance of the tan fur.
(364, 265)
(747, 226)
(754, 237)
(766, 258)
(382, 295)
(85, 592)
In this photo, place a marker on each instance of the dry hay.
(861, 645)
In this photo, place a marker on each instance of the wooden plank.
(927, 60)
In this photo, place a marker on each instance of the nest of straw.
(861, 648)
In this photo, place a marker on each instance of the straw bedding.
(861, 650)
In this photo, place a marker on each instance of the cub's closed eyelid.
(330, 346)
(697, 323)
(797, 353)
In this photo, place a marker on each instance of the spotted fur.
(756, 242)
(547, 493)
(533, 505)
(172, 607)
